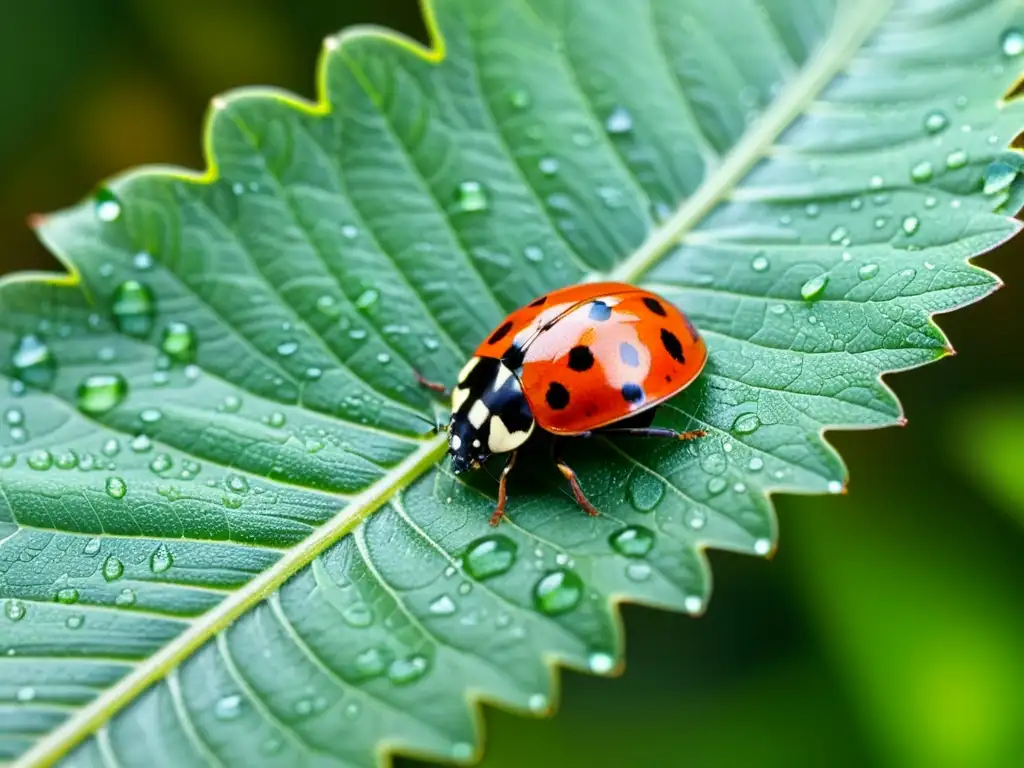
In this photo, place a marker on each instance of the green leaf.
(225, 537)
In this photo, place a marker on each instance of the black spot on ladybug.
(513, 357)
(654, 305)
(557, 396)
(538, 302)
(581, 358)
(632, 393)
(628, 354)
(600, 311)
(501, 333)
(668, 379)
(672, 345)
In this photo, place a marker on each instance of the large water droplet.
(367, 298)
(442, 606)
(161, 559)
(746, 423)
(106, 206)
(922, 172)
(632, 541)
(112, 568)
(471, 196)
(956, 159)
(25, 694)
(92, 546)
(179, 342)
(161, 463)
(228, 707)
(489, 556)
(935, 122)
(40, 460)
(601, 663)
(32, 361)
(408, 670)
(1012, 42)
(759, 264)
(839, 234)
(133, 308)
(814, 287)
(67, 595)
(619, 121)
(557, 592)
(101, 392)
(125, 598)
(645, 491)
(867, 272)
(548, 166)
(357, 615)
(372, 662)
(14, 610)
(911, 224)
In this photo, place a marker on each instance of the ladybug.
(595, 358)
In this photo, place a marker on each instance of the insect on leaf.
(226, 536)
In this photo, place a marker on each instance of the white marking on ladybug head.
(478, 414)
(501, 440)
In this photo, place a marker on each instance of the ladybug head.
(489, 414)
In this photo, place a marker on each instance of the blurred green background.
(889, 628)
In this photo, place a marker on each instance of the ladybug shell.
(592, 354)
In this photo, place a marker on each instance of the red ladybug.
(587, 359)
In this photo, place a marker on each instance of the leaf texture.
(226, 537)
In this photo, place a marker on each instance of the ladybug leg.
(655, 432)
(433, 386)
(499, 512)
(569, 474)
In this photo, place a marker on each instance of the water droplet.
(756, 464)
(935, 122)
(75, 621)
(26, 694)
(405, 671)
(638, 571)
(442, 606)
(287, 348)
(142, 261)
(141, 444)
(632, 541)
(759, 264)
(106, 206)
(956, 159)
(876, 182)
(839, 234)
(367, 298)
(92, 546)
(112, 568)
(519, 98)
(489, 556)
(557, 592)
(716, 485)
(67, 460)
(352, 710)
(116, 487)
(600, 663)
(14, 610)
(125, 598)
(999, 176)
(150, 416)
(619, 121)
(693, 604)
(471, 196)
(328, 305)
(134, 308)
(814, 287)
(911, 224)
(696, 518)
(357, 615)
(67, 595)
(534, 254)
(812, 210)
(538, 702)
(40, 460)
(350, 232)
(32, 361)
(228, 707)
(161, 463)
(548, 166)
(179, 342)
(161, 559)
(922, 172)
(111, 448)
(762, 546)
(101, 392)
(746, 423)
(645, 491)
(383, 358)
(1012, 42)
(372, 662)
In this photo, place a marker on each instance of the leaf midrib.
(853, 24)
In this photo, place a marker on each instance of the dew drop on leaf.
(935, 122)
(619, 121)
(99, 393)
(442, 606)
(756, 464)
(33, 362)
(161, 463)
(125, 598)
(14, 610)
(367, 298)
(814, 287)
(75, 621)
(632, 541)
(956, 159)
(1012, 42)
(161, 559)
(557, 592)
(372, 662)
(537, 702)
(228, 707)
(645, 491)
(40, 460)
(600, 663)
(922, 172)
(67, 595)
(638, 571)
(746, 423)
(408, 670)
(112, 568)
(696, 518)
(519, 98)
(106, 206)
(759, 264)
(489, 556)
(911, 224)
(92, 546)
(471, 196)
(548, 166)
(693, 604)
(716, 485)
(25, 694)
(134, 308)
(179, 342)
(287, 348)
(762, 546)
(839, 234)
(357, 615)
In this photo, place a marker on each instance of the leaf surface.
(224, 536)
